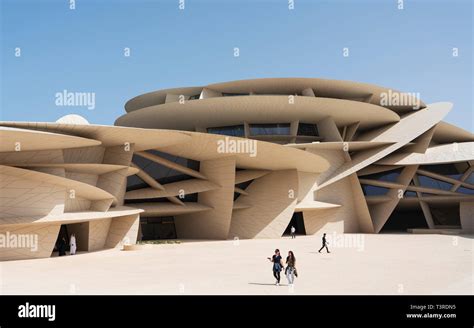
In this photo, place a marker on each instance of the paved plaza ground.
(358, 264)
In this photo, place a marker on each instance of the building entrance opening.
(297, 222)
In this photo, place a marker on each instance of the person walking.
(325, 244)
(290, 270)
(293, 232)
(277, 265)
(72, 245)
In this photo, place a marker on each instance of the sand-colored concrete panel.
(68, 218)
(448, 133)
(20, 196)
(164, 209)
(226, 111)
(328, 130)
(247, 175)
(15, 139)
(340, 145)
(95, 169)
(98, 231)
(381, 212)
(76, 204)
(319, 221)
(402, 132)
(110, 136)
(362, 210)
(351, 131)
(80, 189)
(449, 153)
(255, 155)
(123, 230)
(272, 199)
(84, 155)
(467, 216)
(115, 184)
(215, 223)
(37, 156)
(38, 241)
(343, 219)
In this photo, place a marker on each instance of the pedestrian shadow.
(319, 253)
(265, 284)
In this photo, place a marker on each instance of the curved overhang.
(75, 217)
(286, 86)
(81, 189)
(225, 111)
(89, 168)
(448, 133)
(104, 135)
(158, 97)
(254, 154)
(17, 139)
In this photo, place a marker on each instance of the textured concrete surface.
(378, 264)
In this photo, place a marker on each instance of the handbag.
(296, 272)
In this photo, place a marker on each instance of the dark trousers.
(276, 274)
(324, 245)
(293, 235)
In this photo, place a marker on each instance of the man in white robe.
(72, 245)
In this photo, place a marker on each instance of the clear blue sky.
(82, 49)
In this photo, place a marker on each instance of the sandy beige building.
(242, 159)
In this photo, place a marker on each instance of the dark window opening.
(296, 221)
(147, 200)
(157, 228)
(409, 193)
(160, 172)
(446, 215)
(194, 97)
(452, 170)
(308, 129)
(188, 198)
(374, 190)
(434, 183)
(470, 179)
(270, 129)
(464, 190)
(232, 130)
(402, 219)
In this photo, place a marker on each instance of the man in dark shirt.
(325, 244)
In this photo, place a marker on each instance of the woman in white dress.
(72, 245)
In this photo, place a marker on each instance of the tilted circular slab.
(81, 189)
(107, 135)
(225, 111)
(90, 168)
(68, 218)
(268, 156)
(284, 86)
(26, 140)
